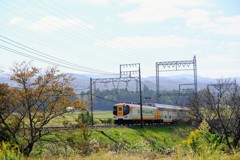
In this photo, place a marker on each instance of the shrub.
(106, 121)
(84, 118)
(203, 143)
(10, 152)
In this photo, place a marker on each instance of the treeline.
(105, 99)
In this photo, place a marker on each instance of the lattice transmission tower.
(169, 66)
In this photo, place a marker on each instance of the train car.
(129, 113)
(174, 114)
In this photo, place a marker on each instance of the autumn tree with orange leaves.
(39, 97)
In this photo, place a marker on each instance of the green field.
(160, 140)
(102, 114)
(72, 116)
(146, 143)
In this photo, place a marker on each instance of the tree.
(219, 105)
(38, 98)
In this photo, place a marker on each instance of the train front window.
(126, 109)
(114, 110)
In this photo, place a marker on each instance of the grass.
(147, 138)
(104, 155)
(146, 143)
(161, 139)
(72, 116)
(102, 114)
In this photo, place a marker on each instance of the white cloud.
(50, 23)
(219, 66)
(188, 10)
(151, 42)
(209, 23)
(155, 10)
(99, 2)
(225, 59)
(198, 17)
(109, 18)
(228, 25)
(232, 44)
(93, 2)
(17, 21)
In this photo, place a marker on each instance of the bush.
(106, 121)
(84, 118)
(10, 152)
(203, 143)
(4, 135)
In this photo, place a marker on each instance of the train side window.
(126, 109)
(169, 116)
(114, 110)
(165, 117)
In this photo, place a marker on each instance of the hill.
(82, 82)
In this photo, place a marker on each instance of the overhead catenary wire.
(84, 28)
(75, 35)
(101, 31)
(44, 55)
(106, 99)
(43, 60)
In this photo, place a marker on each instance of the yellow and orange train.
(129, 113)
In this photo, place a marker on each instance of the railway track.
(57, 128)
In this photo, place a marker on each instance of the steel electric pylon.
(128, 72)
(167, 66)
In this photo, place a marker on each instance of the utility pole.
(134, 71)
(140, 93)
(91, 101)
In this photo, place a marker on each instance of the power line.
(84, 28)
(101, 31)
(43, 60)
(97, 56)
(106, 99)
(41, 54)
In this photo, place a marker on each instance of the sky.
(96, 36)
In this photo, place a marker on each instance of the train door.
(120, 110)
(167, 117)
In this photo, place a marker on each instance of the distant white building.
(69, 109)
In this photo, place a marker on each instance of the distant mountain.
(82, 82)
(4, 79)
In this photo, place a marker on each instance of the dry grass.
(178, 155)
(72, 116)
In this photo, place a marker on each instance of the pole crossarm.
(216, 85)
(186, 84)
(176, 65)
(130, 70)
(110, 80)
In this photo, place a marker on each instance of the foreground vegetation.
(167, 142)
